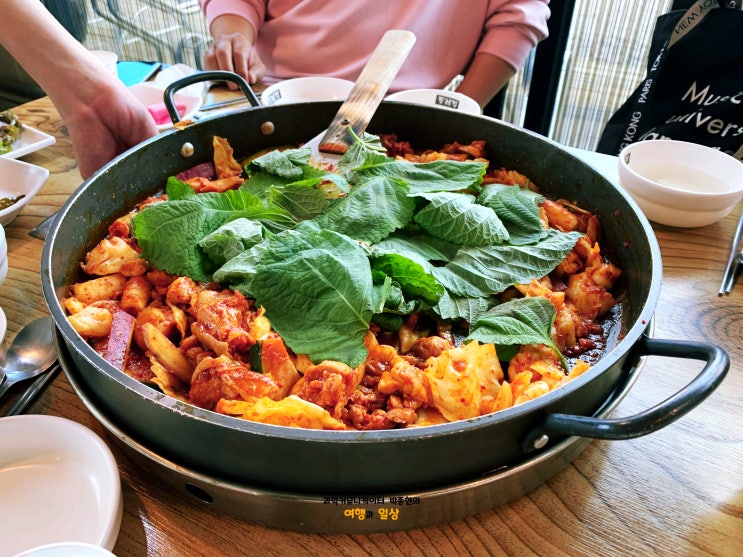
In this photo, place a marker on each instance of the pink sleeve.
(513, 28)
(252, 10)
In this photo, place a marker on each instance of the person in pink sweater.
(271, 40)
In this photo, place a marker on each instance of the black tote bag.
(693, 89)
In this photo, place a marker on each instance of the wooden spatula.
(363, 100)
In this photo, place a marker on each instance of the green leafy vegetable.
(389, 300)
(520, 321)
(457, 218)
(427, 177)
(518, 208)
(482, 271)
(289, 163)
(374, 209)
(238, 272)
(326, 259)
(290, 167)
(317, 288)
(454, 308)
(231, 239)
(418, 247)
(10, 130)
(365, 150)
(413, 279)
(169, 233)
(301, 200)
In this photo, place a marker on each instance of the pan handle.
(198, 77)
(653, 419)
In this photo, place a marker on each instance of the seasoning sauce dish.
(19, 183)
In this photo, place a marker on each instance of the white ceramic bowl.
(67, 549)
(59, 483)
(3, 269)
(19, 178)
(439, 98)
(681, 184)
(108, 59)
(304, 89)
(3, 326)
(3, 245)
(152, 97)
(3, 274)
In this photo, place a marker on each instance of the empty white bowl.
(681, 184)
(439, 98)
(19, 178)
(59, 483)
(304, 89)
(152, 97)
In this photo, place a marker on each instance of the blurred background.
(572, 83)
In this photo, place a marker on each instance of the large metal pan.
(328, 514)
(352, 462)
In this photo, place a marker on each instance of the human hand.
(106, 126)
(234, 52)
(103, 118)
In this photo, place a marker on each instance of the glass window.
(604, 61)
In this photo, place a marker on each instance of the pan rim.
(190, 411)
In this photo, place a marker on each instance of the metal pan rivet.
(541, 441)
(267, 128)
(187, 150)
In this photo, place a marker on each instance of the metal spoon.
(32, 352)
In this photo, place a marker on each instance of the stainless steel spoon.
(32, 352)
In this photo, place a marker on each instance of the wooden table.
(676, 492)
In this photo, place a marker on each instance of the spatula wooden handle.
(369, 90)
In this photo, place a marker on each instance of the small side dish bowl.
(304, 89)
(152, 97)
(3, 248)
(438, 98)
(681, 184)
(18, 180)
(3, 276)
(3, 255)
(59, 483)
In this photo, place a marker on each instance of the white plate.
(59, 482)
(149, 94)
(31, 140)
